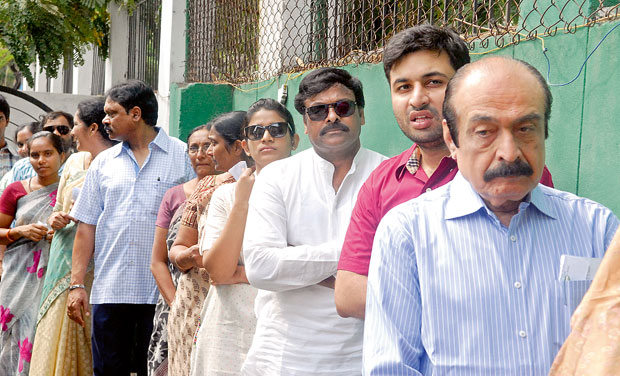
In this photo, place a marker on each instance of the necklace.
(29, 181)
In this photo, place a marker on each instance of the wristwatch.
(73, 287)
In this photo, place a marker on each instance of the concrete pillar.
(83, 75)
(116, 64)
(40, 78)
(171, 55)
(57, 84)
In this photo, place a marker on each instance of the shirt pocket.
(159, 188)
(572, 292)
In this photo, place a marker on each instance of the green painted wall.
(192, 105)
(584, 137)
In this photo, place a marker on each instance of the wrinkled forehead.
(510, 88)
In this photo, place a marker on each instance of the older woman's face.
(197, 145)
(44, 157)
(221, 152)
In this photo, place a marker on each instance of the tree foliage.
(55, 31)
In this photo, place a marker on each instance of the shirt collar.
(464, 200)
(161, 141)
(10, 146)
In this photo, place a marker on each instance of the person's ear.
(295, 142)
(135, 113)
(93, 128)
(237, 147)
(362, 119)
(305, 123)
(244, 145)
(448, 139)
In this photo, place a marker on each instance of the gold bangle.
(8, 236)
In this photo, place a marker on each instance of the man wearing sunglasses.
(418, 64)
(60, 123)
(299, 210)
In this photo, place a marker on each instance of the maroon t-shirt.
(173, 198)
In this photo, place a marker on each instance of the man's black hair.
(450, 114)
(322, 79)
(56, 114)
(425, 38)
(4, 107)
(135, 93)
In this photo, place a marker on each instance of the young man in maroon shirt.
(418, 64)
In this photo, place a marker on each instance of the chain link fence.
(249, 40)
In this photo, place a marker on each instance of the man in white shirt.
(299, 212)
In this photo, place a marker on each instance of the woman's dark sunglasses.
(342, 109)
(256, 132)
(62, 129)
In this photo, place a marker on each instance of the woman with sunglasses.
(62, 344)
(194, 282)
(166, 228)
(227, 317)
(29, 203)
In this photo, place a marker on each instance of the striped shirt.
(122, 200)
(453, 291)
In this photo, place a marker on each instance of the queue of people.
(129, 251)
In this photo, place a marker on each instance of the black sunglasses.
(342, 108)
(276, 130)
(62, 129)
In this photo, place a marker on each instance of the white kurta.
(227, 318)
(294, 234)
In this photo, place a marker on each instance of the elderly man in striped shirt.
(464, 280)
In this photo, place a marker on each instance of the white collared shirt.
(294, 233)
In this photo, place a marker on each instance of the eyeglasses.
(342, 108)
(276, 130)
(194, 149)
(62, 129)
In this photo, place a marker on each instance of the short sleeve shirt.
(122, 200)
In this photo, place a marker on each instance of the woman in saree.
(227, 317)
(194, 282)
(166, 228)
(62, 346)
(29, 203)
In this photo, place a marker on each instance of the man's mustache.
(516, 168)
(427, 107)
(334, 126)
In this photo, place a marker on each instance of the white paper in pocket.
(575, 268)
